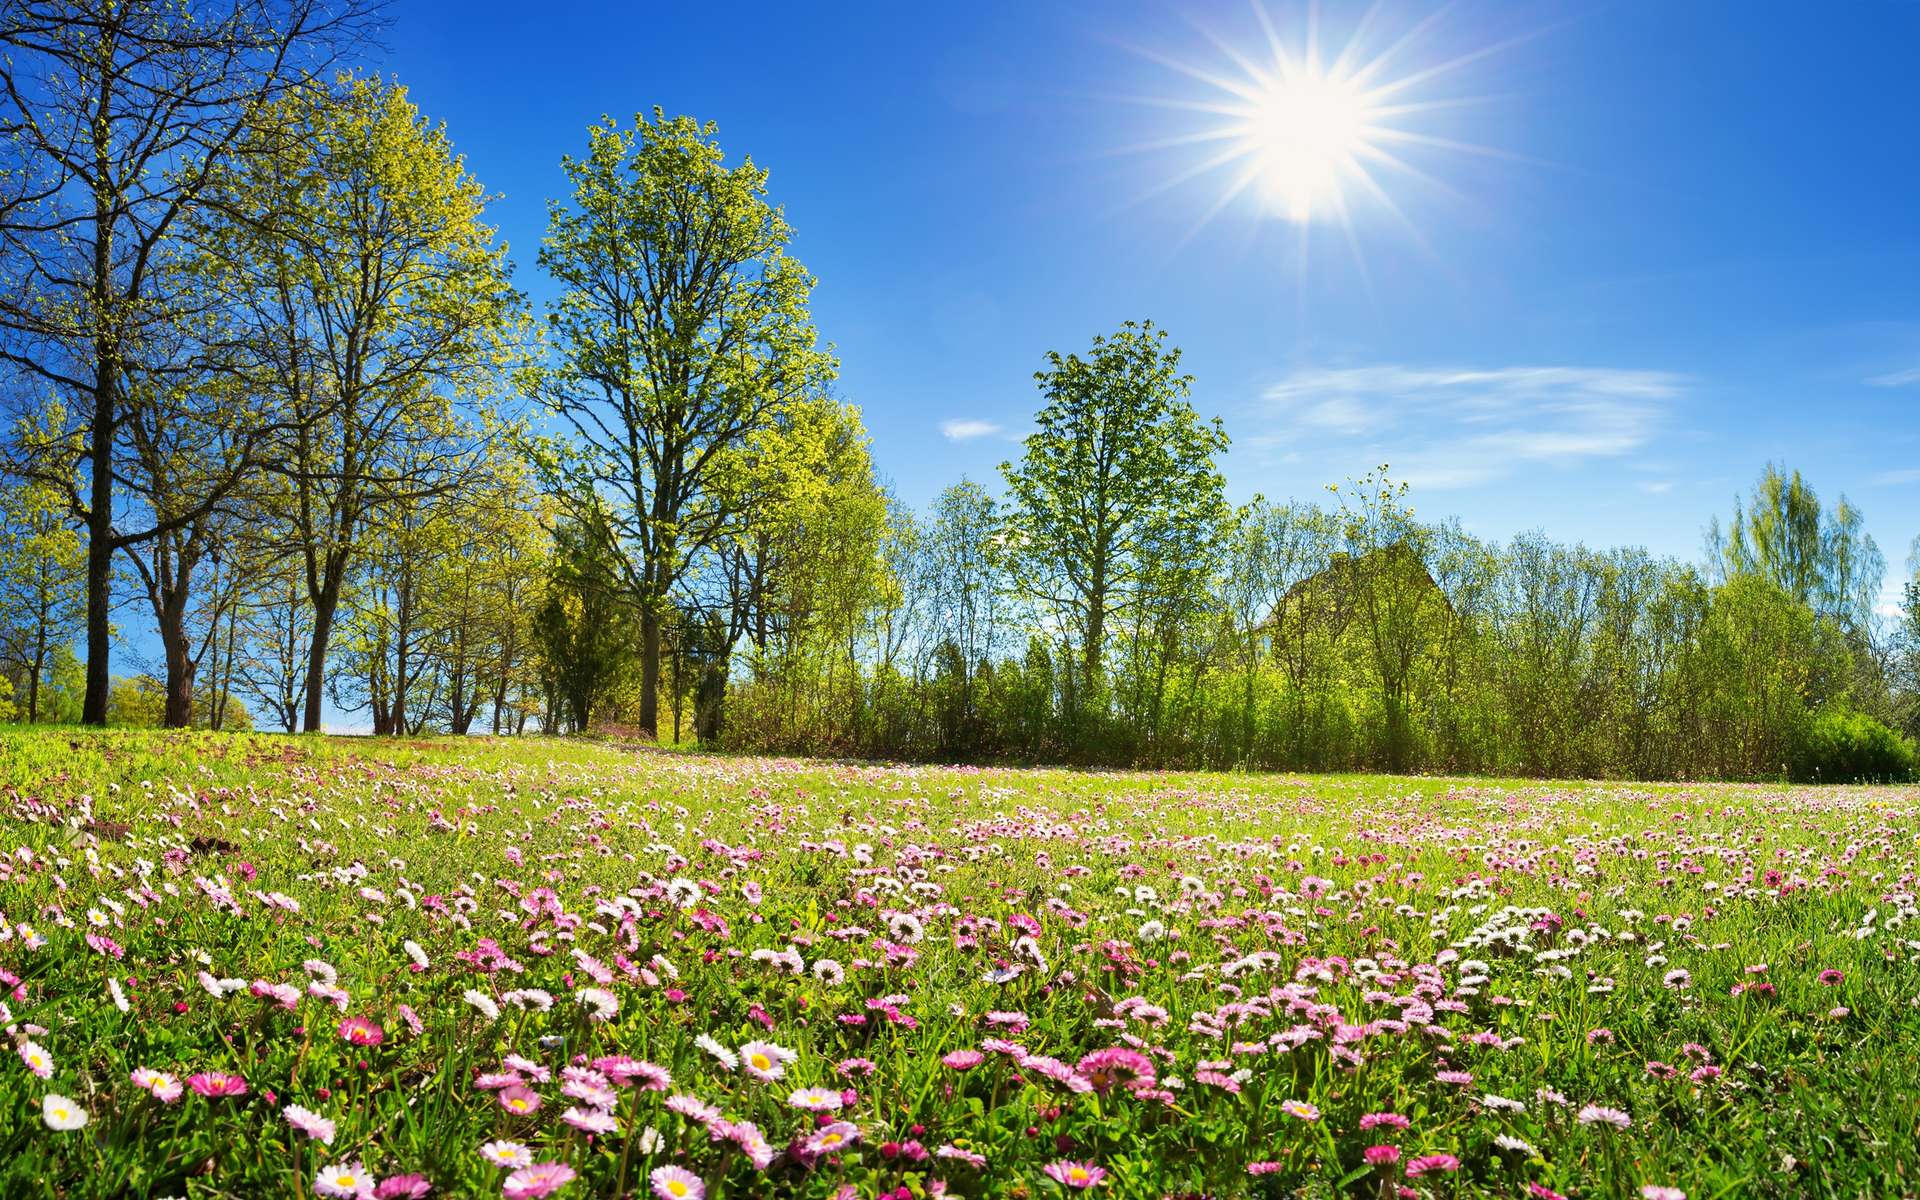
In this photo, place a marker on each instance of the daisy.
(362, 1032)
(764, 1060)
(520, 1101)
(507, 1154)
(590, 1120)
(815, 1099)
(724, 1056)
(1078, 1175)
(1594, 1114)
(601, 1004)
(963, 1060)
(829, 1138)
(61, 1113)
(348, 1179)
(677, 1183)
(540, 1179)
(309, 1122)
(402, 1187)
(483, 1003)
(1300, 1109)
(37, 1059)
(1429, 1163)
(217, 1083)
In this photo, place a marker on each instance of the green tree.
(372, 301)
(42, 588)
(1116, 493)
(114, 116)
(681, 333)
(584, 625)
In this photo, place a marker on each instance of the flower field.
(240, 966)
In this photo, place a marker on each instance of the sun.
(1315, 134)
(1306, 133)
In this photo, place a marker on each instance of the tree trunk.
(649, 669)
(180, 665)
(317, 654)
(100, 552)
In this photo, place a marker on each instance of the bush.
(1839, 745)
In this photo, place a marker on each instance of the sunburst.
(1312, 136)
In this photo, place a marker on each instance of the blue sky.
(1684, 244)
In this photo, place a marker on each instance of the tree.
(373, 298)
(1823, 559)
(681, 332)
(42, 587)
(114, 115)
(1117, 485)
(584, 625)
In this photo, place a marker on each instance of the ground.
(250, 966)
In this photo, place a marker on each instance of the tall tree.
(1118, 482)
(681, 332)
(42, 587)
(375, 300)
(114, 115)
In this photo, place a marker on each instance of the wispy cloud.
(1890, 478)
(1895, 378)
(967, 430)
(1451, 427)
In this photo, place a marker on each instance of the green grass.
(1284, 911)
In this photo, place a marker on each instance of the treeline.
(286, 433)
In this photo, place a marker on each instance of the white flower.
(601, 1004)
(62, 1113)
(480, 1000)
(726, 1057)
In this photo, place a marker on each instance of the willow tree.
(372, 311)
(681, 332)
(1117, 494)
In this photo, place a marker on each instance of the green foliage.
(584, 626)
(1114, 509)
(1839, 745)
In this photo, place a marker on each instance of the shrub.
(1839, 745)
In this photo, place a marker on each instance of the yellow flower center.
(762, 1061)
(678, 1187)
(1077, 1175)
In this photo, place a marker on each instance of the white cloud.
(1896, 378)
(1451, 427)
(1904, 475)
(967, 430)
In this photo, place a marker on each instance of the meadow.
(250, 966)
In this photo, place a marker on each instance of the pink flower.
(1831, 977)
(963, 1060)
(309, 1122)
(362, 1032)
(402, 1187)
(1381, 1156)
(217, 1083)
(540, 1179)
(590, 1120)
(1385, 1120)
(677, 1183)
(1080, 1175)
(1428, 1163)
(1457, 1078)
(520, 1101)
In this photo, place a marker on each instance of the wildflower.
(309, 1122)
(507, 1154)
(764, 1060)
(1080, 1175)
(590, 1120)
(1517, 1145)
(836, 1136)
(721, 1054)
(402, 1187)
(360, 1031)
(1831, 977)
(520, 1101)
(1300, 1109)
(1456, 1078)
(540, 1179)
(483, 1003)
(815, 1099)
(1594, 1114)
(61, 1113)
(601, 1004)
(1381, 1156)
(676, 1183)
(217, 1083)
(962, 1060)
(348, 1179)
(1427, 1164)
(1655, 1191)
(1678, 980)
(37, 1059)
(1384, 1120)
